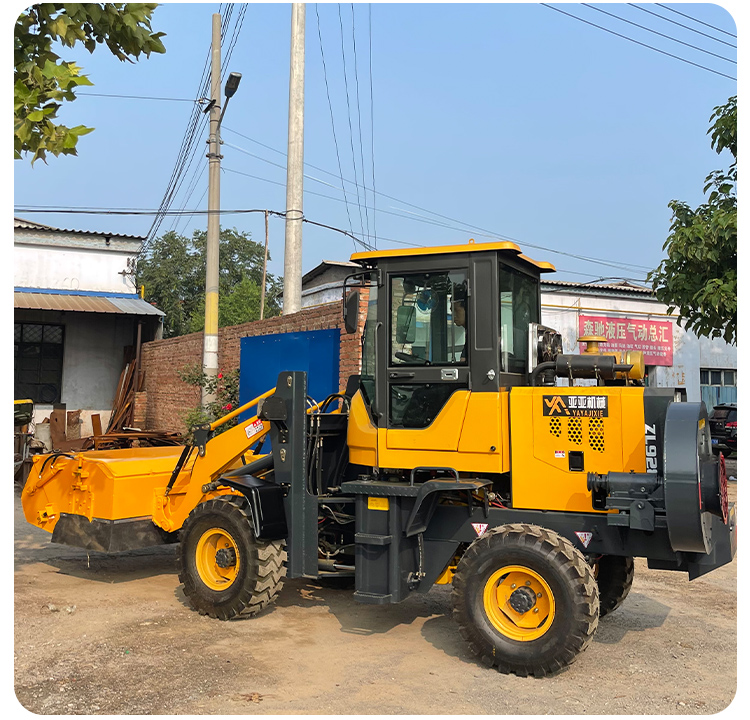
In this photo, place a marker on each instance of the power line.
(330, 108)
(700, 22)
(200, 168)
(372, 122)
(198, 175)
(203, 195)
(136, 97)
(655, 32)
(687, 27)
(481, 231)
(637, 42)
(196, 124)
(88, 210)
(417, 218)
(359, 122)
(349, 117)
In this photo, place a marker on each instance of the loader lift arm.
(235, 442)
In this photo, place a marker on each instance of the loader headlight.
(545, 344)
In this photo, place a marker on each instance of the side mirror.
(406, 327)
(351, 312)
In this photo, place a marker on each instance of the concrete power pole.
(265, 265)
(293, 233)
(211, 327)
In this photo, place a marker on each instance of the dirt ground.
(97, 634)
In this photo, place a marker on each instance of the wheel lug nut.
(539, 594)
(528, 582)
(513, 585)
(536, 610)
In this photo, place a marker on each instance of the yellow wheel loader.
(469, 451)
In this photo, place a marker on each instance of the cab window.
(428, 318)
(519, 306)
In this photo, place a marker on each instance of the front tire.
(224, 569)
(525, 600)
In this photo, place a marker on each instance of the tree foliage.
(173, 273)
(698, 278)
(42, 81)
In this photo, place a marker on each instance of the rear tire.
(525, 600)
(224, 569)
(614, 576)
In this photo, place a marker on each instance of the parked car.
(723, 423)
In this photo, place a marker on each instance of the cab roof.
(503, 246)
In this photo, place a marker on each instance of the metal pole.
(211, 326)
(265, 263)
(295, 153)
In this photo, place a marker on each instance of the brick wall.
(168, 398)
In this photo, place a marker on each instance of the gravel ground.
(97, 634)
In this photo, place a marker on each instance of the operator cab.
(441, 323)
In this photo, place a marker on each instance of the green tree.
(170, 273)
(173, 273)
(42, 81)
(698, 278)
(239, 257)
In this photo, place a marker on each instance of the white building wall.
(93, 359)
(64, 268)
(717, 354)
(560, 310)
(322, 294)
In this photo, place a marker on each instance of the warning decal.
(560, 454)
(254, 428)
(480, 528)
(585, 538)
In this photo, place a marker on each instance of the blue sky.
(512, 118)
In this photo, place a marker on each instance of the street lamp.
(230, 88)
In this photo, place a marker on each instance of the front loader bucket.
(102, 499)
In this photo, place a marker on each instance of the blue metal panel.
(263, 357)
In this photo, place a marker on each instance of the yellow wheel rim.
(217, 559)
(519, 603)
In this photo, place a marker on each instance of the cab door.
(427, 355)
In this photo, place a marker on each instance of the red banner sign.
(654, 337)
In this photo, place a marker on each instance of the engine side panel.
(558, 435)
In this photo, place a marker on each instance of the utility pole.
(295, 153)
(211, 326)
(265, 264)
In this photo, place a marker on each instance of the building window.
(38, 361)
(718, 386)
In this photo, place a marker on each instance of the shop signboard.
(653, 337)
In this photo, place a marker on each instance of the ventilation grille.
(578, 427)
(575, 433)
(596, 434)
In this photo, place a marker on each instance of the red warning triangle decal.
(480, 528)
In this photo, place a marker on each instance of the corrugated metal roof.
(84, 303)
(28, 225)
(624, 286)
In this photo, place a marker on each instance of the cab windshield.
(428, 318)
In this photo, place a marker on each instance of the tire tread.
(259, 588)
(556, 549)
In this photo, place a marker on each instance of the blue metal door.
(263, 357)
